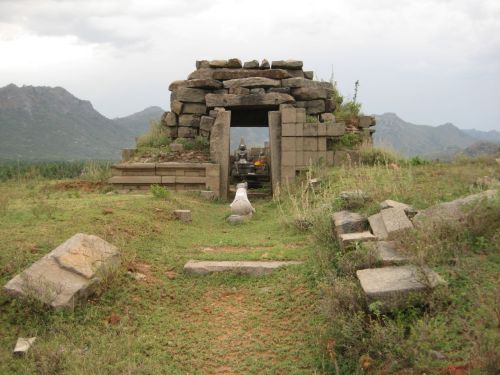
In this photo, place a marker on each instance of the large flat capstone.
(387, 252)
(393, 286)
(250, 100)
(395, 220)
(255, 268)
(68, 274)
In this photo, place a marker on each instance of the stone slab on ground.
(237, 219)
(347, 239)
(23, 344)
(348, 222)
(387, 252)
(68, 274)
(183, 215)
(377, 226)
(395, 220)
(208, 194)
(255, 268)
(396, 286)
(389, 203)
(453, 211)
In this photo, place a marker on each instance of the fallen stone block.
(348, 222)
(395, 221)
(387, 252)
(397, 286)
(23, 344)
(255, 268)
(348, 239)
(238, 219)
(454, 211)
(377, 226)
(68, 274)
(183, 215)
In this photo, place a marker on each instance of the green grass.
(178, 325)
(306, 319)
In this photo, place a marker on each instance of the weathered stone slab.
(347, 239)
(303, 82)
(186, 94)
(183, 215)
(231, 63)
(334, 129)
(283, 90)
(348, 222)
(23, 344)
(199, 84)
(253, 64)
(257, 90)
(287, 64)
(327, 117)
(313, 107)
(208, 194)
(238, 91)
(252, 82)
(366, 121)
(206, 123)
(395, 220)
(409, 210)
(309, 74)
(453, 211)
(189, 120)
(387, 252)
(309, 93)
(186, 132)
(176, 107)
(202, 64)
(251, 100)
(202, 73)
(224, 74)
(194, 108)
(396, 286)
(171, 119)
(265, 64)
(68, 274)
(254, 268)
(378, 227)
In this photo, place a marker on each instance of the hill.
(411, 140)
(488, 136)
(49, 123)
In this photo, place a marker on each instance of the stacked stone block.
(231, 84)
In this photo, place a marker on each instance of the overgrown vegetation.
(155, 137)
(198, 144)
(456, 327)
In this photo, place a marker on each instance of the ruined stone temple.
(220, 94)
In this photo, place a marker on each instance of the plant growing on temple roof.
(156, 136)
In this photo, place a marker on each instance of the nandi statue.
(241, 208)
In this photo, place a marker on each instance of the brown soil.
(82, 185)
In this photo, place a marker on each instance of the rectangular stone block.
(300, 114)
(397, 286)
(135, 180)
(322, 144)
(310, 144)
(287, 158)
(288, 115)
(176, 107)
(194, 108)
(395, 220)
(255, 268)
(190, 95)
(387, 252)
(206, 123)
(288, 143)
(171, 119)
(348, 222)
(348, 239)
(186, 132)
(288, 130)
(377, 226)
(299, 143)
(189, 120)
(167, 180)
(334, 129)
(310, 129)
(299, 159)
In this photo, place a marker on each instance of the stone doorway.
(252, 162)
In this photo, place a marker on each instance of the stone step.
(347, 239)
(378, 227)
(256, 268)
(397, 286)
(387, 252)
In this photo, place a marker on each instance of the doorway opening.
(250, 159)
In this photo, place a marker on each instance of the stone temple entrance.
(220, 94)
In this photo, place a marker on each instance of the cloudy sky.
(430, 61)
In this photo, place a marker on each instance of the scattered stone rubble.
(68, 274)
(23, 344)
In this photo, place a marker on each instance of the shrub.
(197, 144)
(370, 155)
(156, 136)
(95, 171)
(160, 192)
(350, 140)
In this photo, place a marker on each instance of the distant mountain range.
(49, 123)
(439, 142)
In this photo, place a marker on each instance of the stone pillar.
(275, 147)
(219, 148)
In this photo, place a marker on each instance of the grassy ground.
(307, 319)
(169, 322)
